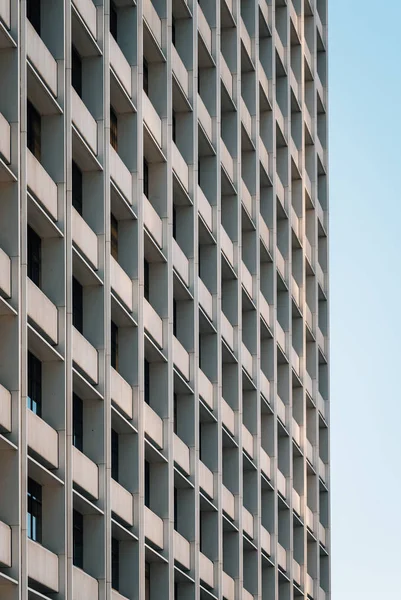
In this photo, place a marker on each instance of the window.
(145, 76)
(147, 581)
(175, 412)
(114, 345)
(199, 171)
(199, 260)
(77, 305)
(78, 539)
(115, 564)
(174, 316)
(113, 20)
(200, 351)
(175, 507)
(34, 400)
(34, 129)
(173, 30)
(200, 534)
(34, 256)
(34, 515)
(114, 454)
(76, 188)
(145, 178)
(147, 483)
(174, 123)
(76, 71)
(200, 440)
(146, 280)
(77, 422)
(113, 129)
(174, 222)
(147, 382)
(33, 14)
(114, 236)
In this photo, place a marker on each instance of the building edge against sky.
(164, 379)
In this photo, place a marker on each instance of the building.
(163, 313)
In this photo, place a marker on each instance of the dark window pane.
(34, 256)
(146, 280)
(113, 129)
(114, 346)
(174, 316)
(145, 178)
(147, 483)
(76, 74)
(147, 581)
(200, 441)
(199, 260)
(145, 76)
(33, 13)
(113, 20)
(78, 539)
(175, 412)
(76, 188)
(200, 534)
(34, 514)
(175, 507)
(200, 351)
(147, 382)
(34, 400)
(174, 222)
(115, 564)
(173, 30)
(114, 455)
(114, 236)
(77, 305)
(34, 130)
(174, 128)
(78, 422)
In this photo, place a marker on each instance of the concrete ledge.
(43, 566)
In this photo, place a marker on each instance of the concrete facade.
(164, 379)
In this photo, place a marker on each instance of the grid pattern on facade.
(164, 382)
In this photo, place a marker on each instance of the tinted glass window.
(76, 74)
(34, 515)
(34, 399)
(34, 131)
(34, 256)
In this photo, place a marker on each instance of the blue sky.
(365, 258)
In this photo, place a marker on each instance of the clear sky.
(365, 212)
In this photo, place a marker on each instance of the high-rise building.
(164, 384)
